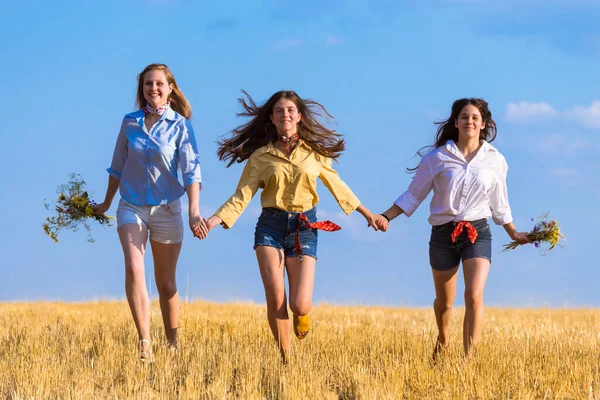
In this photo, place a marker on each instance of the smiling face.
(285, 117)
(156, 88)
(469, 123)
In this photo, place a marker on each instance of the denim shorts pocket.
(269, 212)
(439, 228)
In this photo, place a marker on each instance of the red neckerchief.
(288, 142)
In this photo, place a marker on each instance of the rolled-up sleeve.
(419, 188)
(498, 195)
(120, 154)
(189, 161)
(340, 191)
(247, 187)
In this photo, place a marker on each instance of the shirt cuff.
(114, 174)
(349, 205)
(188, 183)
(228, 220)
(502, 219)
(408, 203)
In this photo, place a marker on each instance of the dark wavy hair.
(240, 143)
(447, 129)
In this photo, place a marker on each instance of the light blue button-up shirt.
(146, 163)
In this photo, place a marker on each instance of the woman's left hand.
(198, 226)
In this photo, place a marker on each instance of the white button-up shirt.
(462, 191)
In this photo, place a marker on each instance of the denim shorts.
(277, 228)
(164, 221)
(445, 255)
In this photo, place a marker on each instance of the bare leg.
(301, 277)
(445, 293)
(476, 272)
(133, 240)
(165, 263)
(271, 265)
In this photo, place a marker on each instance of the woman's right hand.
(212, 221)
(101, 208)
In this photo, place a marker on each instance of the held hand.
(198, 226)
(212, 221)
(100, 208)
(382, 223)
(372, 221)
(520, 237)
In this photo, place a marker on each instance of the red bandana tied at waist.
(326, 226)
(459, 228)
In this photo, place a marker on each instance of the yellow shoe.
(301, 326)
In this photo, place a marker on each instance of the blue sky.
(386, 69)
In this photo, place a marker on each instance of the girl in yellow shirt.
(286, 148)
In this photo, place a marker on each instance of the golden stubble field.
(84, 351)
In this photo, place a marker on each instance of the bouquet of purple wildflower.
(544, 231)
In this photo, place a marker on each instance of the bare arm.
(111, 191)
(197, 223)
(521, 237)
(393, 212)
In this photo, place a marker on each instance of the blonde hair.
(179, 103)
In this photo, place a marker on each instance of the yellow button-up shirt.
(288, 184)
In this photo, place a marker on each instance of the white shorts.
(164, 222)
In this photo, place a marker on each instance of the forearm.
(393, 212)
(364, 211)
(510, 229)
(111, 191)
(193, 194)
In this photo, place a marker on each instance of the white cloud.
(564, 144)
(334, 41)
(529, 112)
(588, 116)
(286, 44)
(563, 172)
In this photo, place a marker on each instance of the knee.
(442, 305)
(276, 302)
(473, 298)
(167, 289)
(301, 307)
(134, 270)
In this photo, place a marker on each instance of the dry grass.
(57, 350)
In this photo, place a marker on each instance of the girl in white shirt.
(468, 178)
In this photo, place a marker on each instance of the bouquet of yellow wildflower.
(544, 231)
(73, 207)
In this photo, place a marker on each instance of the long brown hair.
(178, 101)
(447, 129)
(259, 131)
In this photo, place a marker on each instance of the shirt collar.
(169, 114)
(452, 148)
(271, 149)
